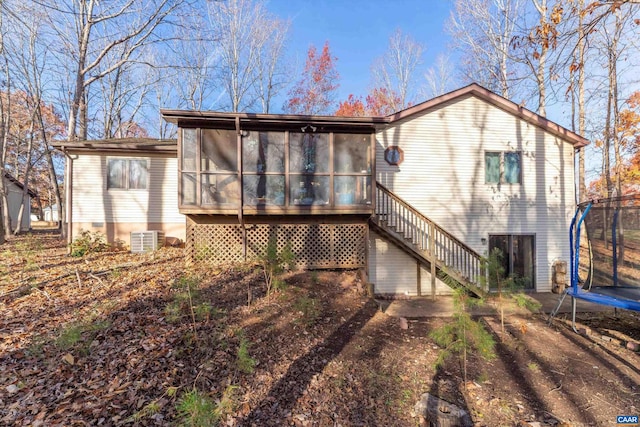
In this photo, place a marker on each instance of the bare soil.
(108, 339)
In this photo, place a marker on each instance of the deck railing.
(427, 237)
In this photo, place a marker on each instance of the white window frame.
(127, 170)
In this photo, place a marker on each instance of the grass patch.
(83, 332)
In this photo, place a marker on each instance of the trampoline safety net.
(610, 248)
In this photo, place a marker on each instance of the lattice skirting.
(314, 245)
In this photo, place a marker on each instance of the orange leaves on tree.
(629, 124)
(352, 107)
(314, 92)
(379, 103)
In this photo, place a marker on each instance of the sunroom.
(246, 180)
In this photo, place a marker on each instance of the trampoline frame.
(575, 291)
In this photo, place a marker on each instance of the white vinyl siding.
(93, 203)
(394, 272)
(443, 175)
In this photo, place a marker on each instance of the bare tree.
(272, 75)
(90, 31)
(395, 70)
(244, 31)
(482, 30)
(440, 78)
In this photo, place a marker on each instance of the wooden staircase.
(427, 242)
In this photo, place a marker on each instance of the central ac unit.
(145, 241)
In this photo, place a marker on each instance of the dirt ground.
(122, 339)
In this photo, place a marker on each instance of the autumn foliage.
(628, 133)
(28, 120)
(379, 103)
(314, 92)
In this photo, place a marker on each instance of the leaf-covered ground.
(123, 339)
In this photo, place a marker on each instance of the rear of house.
(116, 187)
(492, 174)
(405, 198)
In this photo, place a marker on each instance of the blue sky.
(358, 31)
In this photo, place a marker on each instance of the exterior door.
(518, 258)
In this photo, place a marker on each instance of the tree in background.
(314, 93)
(482, 31)
(352, 107)
(249, 48)
(95, 39)
(395, 71)
(440, 78)
(378, 103)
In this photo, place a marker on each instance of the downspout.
(241, 202)
(68, 195)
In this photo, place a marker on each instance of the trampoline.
(604, 263)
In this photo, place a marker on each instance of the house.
(406, 198)
(121, 186)
(15, 196)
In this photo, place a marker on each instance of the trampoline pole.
(573, 314)
(614, 247)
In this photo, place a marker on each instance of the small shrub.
(196, 409)
(148, 410)
(309, 307)
(533, 366)
(228, 402)
(525, 301)
(315, 277)
(463, 335)
(88, 242)
(69, 336)
(173, 311)
(275, 263)
(244, 361)
(204, 311)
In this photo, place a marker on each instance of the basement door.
(518, 257)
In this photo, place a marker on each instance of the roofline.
(10, 177)
(115, 145)
(474, 89)
(173, 116)
(498, 101)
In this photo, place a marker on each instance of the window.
(281, 169)
(127, 174)
(309, 169)
(263, 168)
(502, 167)
(518, 256)
(394, 155)
(212, 179)
(352, 168)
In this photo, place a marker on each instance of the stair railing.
(426, 236)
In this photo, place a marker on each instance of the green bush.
(88, 242)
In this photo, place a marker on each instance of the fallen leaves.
(102, 350)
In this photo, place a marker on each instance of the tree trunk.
(582, 183)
